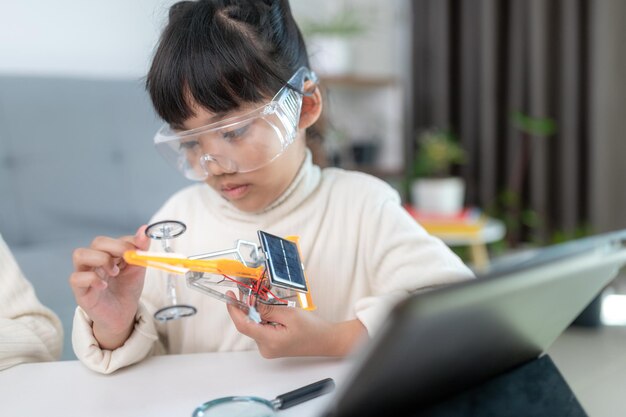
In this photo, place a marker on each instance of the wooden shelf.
(376, 171)
(358, 81)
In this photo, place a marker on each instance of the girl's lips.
(234, 191)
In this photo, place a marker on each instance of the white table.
(593, 361)
(492, 231)
(172, 385)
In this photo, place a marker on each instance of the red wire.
(257, 288)
(279, 299)
(238, 282)
(267, 289)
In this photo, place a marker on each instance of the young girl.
(231, 80)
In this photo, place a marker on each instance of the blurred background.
(519, 101)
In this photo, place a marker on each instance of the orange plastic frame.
(178, 264)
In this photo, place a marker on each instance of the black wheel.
(165, 229)
(175, 312)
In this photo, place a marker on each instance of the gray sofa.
(76, 161)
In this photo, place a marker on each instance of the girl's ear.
(311, 107)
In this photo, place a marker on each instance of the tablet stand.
(536, 388)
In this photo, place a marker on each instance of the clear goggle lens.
(240, 144)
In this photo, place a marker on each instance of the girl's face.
(255, 190)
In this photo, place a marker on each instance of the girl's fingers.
(81, 282)
(259, 332)
(238, 316)
(115, 247)
(104, 252)
(140, 240)
(86, 259)
(272, 313)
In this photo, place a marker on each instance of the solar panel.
(283, 262)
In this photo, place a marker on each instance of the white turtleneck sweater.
(361, 251)
(29, 332)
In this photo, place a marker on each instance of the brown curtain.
(608, 119)
(481, 65)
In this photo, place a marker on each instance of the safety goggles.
(242, 143)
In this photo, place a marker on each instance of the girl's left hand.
(286, 331)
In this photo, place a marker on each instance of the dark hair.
(223, 53)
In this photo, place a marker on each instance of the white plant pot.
(439, 196)
(329, 55)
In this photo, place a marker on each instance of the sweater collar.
(303, 184)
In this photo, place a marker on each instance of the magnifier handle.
(300, 395)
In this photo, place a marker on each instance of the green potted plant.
(433, 189)
(327, 41)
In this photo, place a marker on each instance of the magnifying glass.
(260, 407)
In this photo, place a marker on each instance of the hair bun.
(179, 9)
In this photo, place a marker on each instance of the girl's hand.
(286, 331)
(107, 288)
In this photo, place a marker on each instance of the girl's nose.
(217, 166)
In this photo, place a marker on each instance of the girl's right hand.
(107, 288)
